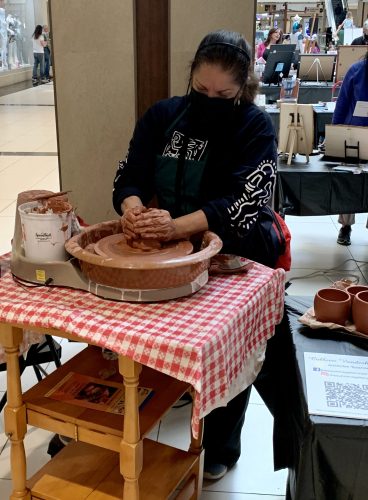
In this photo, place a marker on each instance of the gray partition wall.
(93, 51)
(112, 60)
(191, 20)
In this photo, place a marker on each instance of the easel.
(347, 143)
(353, 148)
(296, 126)
(317, 63)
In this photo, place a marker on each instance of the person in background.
(297, 38)
(296, 21)
(354, 88)
(274, 37)
(331, 49)
(362, 40)
(209, 158)
(348, 22)
(38, 55)
(47, 50)
(314, 47)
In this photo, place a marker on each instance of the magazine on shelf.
(94, 393)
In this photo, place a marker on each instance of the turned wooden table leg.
(131, 447)
(197, 448)
(15, 411)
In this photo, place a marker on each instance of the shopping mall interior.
(67, 131)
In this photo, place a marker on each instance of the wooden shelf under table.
(82, 471)
(94, 426)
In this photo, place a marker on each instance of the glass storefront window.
(16, 28)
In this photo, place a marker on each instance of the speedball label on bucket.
(43, 237)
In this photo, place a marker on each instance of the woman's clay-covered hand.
(155, 224)
(128, 221)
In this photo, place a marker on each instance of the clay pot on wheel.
(332, 306)
(360, 312)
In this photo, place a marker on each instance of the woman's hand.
(155, 224)
(129, 219)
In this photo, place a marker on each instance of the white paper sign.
(337, 385)
(361, 109)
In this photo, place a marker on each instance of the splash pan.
(177, 269)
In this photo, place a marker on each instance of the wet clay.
(53, 205)
(144, 245)
(117, 246)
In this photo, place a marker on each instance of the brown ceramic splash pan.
(105, 258)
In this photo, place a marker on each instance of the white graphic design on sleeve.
(258, 190)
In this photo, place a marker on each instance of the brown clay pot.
(360, 312)
(354, 289)
(332, 306)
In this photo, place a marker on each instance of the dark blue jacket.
(239, 175)
(354, 88)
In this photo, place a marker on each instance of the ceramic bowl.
(332, 306)
(360, 312)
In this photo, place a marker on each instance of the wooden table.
(204, 342)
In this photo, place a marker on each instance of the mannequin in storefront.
(12, 44)
(3, 38)
(18, 27)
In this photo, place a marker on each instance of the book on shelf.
(94, 393)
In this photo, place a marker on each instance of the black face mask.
(211, 110)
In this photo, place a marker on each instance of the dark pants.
(222, 427)
(47, 55)
(38, 61)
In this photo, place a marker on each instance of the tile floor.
(28, 160)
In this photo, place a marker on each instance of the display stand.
(344, 139)
(346, 56)
(295, 128)
(353, 148)
(317, 65)
(295, 132)
(289, 90)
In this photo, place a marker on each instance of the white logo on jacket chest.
(195, 149)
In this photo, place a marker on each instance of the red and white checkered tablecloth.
(204, 339)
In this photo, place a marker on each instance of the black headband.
(239, 49)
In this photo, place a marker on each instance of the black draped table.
(322, 117)
(317, 189)
(327, 456)
(309, 92)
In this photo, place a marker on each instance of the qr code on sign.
(340, 395)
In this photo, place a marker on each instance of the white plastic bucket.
(44, 235)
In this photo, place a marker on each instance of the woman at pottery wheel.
(209, 158)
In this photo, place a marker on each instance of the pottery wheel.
(116, 247)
